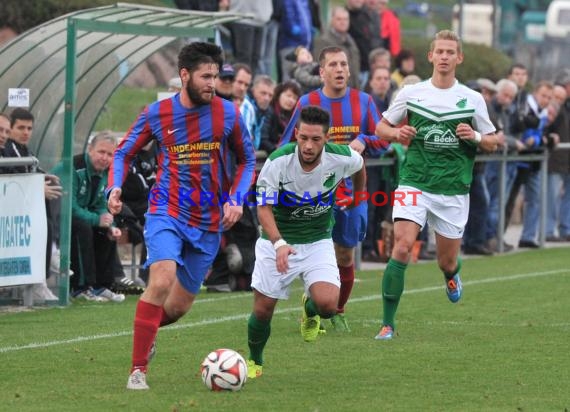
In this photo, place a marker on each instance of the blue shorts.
(350, 225)
(193, 249)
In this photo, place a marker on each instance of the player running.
(296, 192)
(353, 120)
(197, 134)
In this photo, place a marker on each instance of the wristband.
(478, 137)
(279, 243)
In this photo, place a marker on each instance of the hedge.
(479, 61)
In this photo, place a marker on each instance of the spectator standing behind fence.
(353, 118)
(558, 183)
(242, 81)
(198, 137)
(255, 109)
(532, 124)
(283, 103)
(337, 35)
(379, 83)
(441, 114)
(306, 70)
(225, 82)
(518, 73)
(558, 215)
(296, 29)
(93, 234)
(405, 63)
(247, 34)
(380, 57)
(365, 30)
(389, 25)
(4, 133)
(269, 36)
(380, 88)
(21, 130)
(500, 116)
(475, 236)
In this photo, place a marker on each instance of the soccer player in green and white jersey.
(295, 196)
(446, 123)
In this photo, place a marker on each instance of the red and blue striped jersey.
(353, 116)
(205, 158)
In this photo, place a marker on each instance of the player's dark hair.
(194, 54)
(330, 50)
(315, 115)
(20, 114)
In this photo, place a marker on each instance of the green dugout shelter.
(74, 63)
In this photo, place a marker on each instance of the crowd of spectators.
(290, 34)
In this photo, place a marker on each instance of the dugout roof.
(74, 63)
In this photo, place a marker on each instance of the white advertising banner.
(23, 229)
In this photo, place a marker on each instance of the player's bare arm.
(267, 220)
(357, 146)
(114, 204)
(487, 142)
(387, 131)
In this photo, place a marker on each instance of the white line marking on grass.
(211, 321)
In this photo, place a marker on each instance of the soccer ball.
(224, 369)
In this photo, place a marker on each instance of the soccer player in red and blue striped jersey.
(353, 122)
(197, 194)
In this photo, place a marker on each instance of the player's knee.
(327, 309)
(402, 251)
(263, 314)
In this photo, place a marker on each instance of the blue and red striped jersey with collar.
(353, 116)
(197, 172)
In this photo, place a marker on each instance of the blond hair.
(446, 35)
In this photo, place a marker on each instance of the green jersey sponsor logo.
(438, 137)
(310, 212)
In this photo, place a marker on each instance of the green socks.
(392, 289)
(257, 335)
(310, 308)
(449, 276)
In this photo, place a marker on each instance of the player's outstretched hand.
(282, 258)
(232, 213)
(114, 204)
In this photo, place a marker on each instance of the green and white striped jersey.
(302, 201)
(437, 161)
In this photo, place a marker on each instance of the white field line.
(211, 321)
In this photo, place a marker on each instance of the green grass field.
(504, 347)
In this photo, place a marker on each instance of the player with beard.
(353, 121)
(295, 192)
(196, 196)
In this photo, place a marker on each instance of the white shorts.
(447, 214)
(313, 262)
